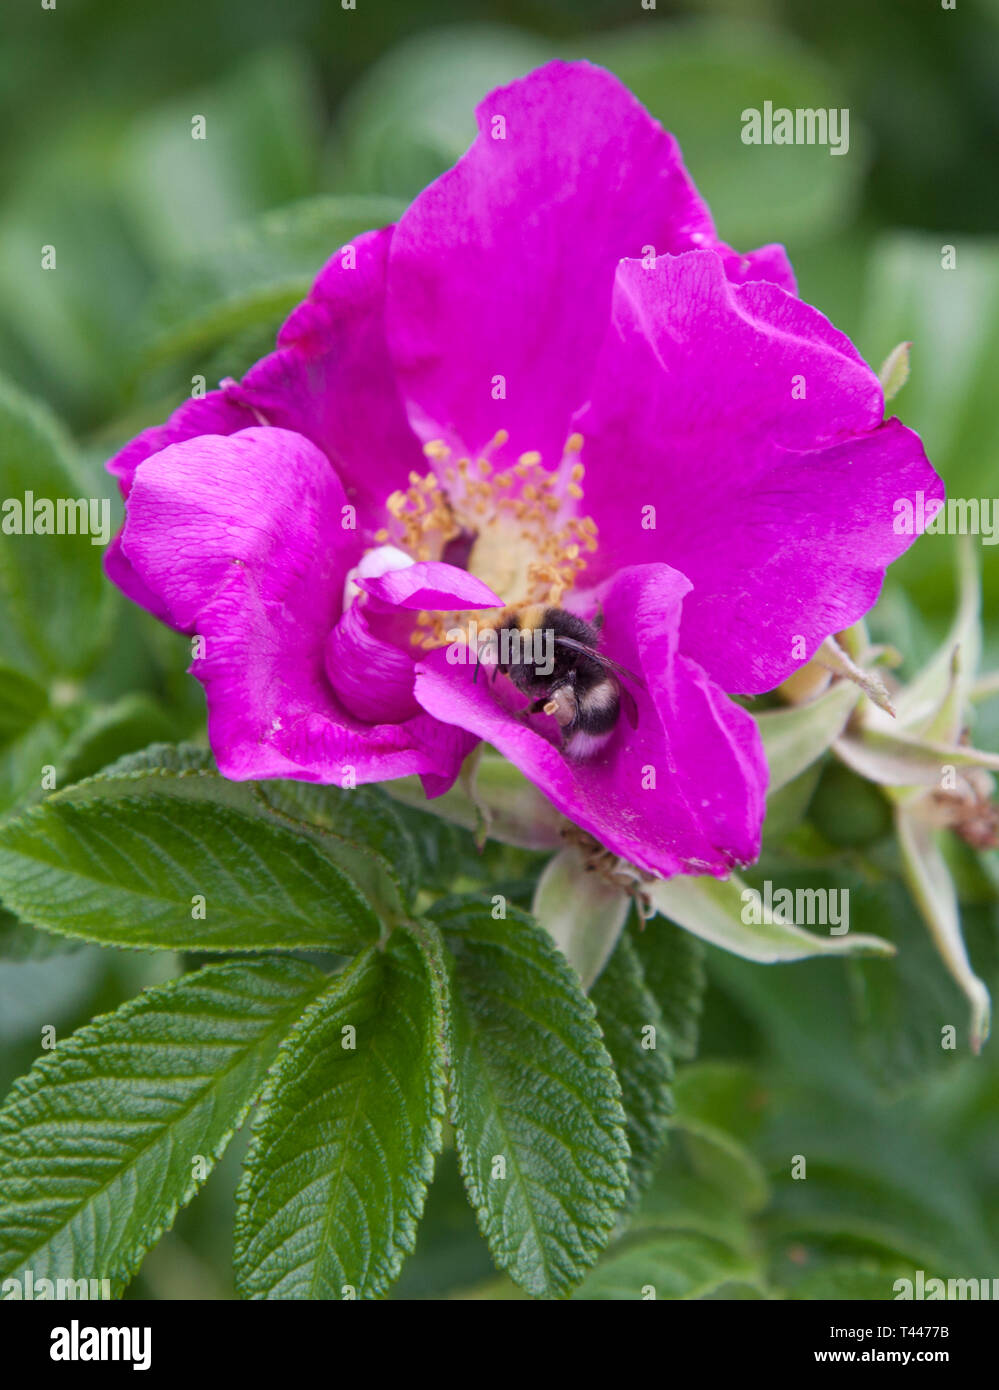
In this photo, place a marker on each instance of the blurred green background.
(178, 258)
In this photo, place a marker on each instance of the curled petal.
(430, 584)
(368, 659)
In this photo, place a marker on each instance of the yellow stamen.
(525, 544)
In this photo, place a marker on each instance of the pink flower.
(549, 384)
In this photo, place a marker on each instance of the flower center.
(519, 528)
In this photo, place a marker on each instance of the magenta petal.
(430, 584)
(754, 430)
(705, 809)
(504, 266)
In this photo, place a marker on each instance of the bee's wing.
(628, 705)
(604, 660)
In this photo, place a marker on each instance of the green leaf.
(343, 1147)
(723, 1162)
(358, 829)
(256, 274)
(723, 1095)
(124, 864)
(535, 1101)
(666, 1265)
(362, 815)
(34, 758)
(42, 633)
(639, 1044)
(32, 735)
(681, 1199)
(673, 965)
(111, 731)
(107, 1137)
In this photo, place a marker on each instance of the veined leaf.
(107, 1137)
(358, 829)
(535, 1101)
(133, 872)
(639, 1044)
(343, 1149)
(362, 815)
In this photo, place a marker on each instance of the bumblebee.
(552, 657)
